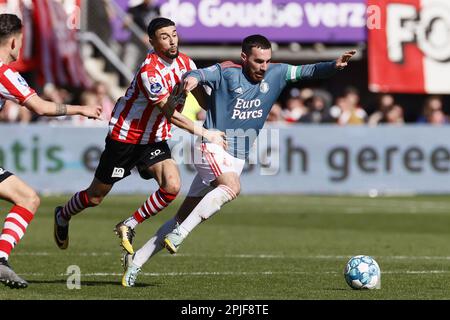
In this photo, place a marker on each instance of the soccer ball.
(362, 272)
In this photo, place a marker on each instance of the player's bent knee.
(173, 187)
(235, 187)
(30, 201)
(95, 200)
(35, 201)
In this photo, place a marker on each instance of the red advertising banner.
(409, 52)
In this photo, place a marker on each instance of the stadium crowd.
(301, 106)
(316, 106)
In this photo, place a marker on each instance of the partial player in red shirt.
(138, 132)
(23, 197)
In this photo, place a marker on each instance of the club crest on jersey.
(155, 88)
(264, 87)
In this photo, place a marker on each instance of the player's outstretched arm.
(321, 70)
(176, 118)
(47, 108)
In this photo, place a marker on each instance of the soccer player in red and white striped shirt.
(24, 199)
(139, 128)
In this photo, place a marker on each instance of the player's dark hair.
(157, 24)
(10, 24)
(255, 41)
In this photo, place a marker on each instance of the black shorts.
(118, 159)
(4, 174)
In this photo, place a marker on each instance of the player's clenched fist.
(189, 84)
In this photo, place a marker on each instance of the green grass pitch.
(258, 247)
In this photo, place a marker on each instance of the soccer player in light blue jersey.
(240, 101)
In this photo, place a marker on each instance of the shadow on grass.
(93, 283)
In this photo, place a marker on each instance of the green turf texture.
(258, 247)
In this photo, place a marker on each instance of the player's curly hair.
(157, 24)
(255, 41)
(10, 24)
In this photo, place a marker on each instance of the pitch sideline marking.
(242, 256)
(231, 273)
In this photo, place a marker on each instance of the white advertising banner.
(295, 159)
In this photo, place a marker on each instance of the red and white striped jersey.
(13, 86)
(135, 118)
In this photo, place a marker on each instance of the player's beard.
(253, 74)
(170, 55)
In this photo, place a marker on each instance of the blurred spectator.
(327, 98)
(87, 98)
(385, 103)
(351, 112)
(318, 112)
(102, 98)
(294, 110)
(275, 114)
(52, 93)
(437, 117)
(394, 115)
(90, 98)
(351, 94)
(304, 94)
(96, 96)
(348, 114)
(432, 104)
(13, 112)
(57, 95)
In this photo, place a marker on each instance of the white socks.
(131, 222)
(154, 245)
(208, 206)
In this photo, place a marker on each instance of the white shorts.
(211, 161)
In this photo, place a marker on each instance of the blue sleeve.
(320, 70)
(210, 76)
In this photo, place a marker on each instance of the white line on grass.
(230, 273)
(331, 257)
(238, 256)
(77, 254)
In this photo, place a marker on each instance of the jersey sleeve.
(210, 76)
(192, 65)
(14, 87)
(153, 86)
(315, 71)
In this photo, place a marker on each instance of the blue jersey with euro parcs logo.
(239, 107)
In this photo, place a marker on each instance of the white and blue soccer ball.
(362, 272)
